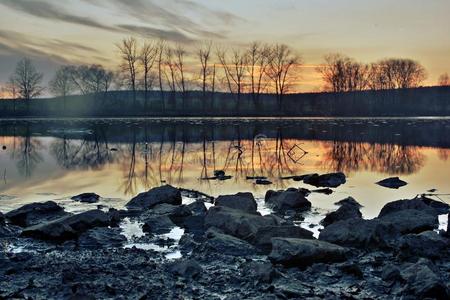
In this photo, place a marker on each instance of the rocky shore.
(227, 250)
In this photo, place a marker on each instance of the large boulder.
(427, 244)
(240, 201)
(158, 224)
(304, 252)
(346, 211)
(290, 199)
(238, 223)
(86, 198)
(360, 233)
(163, 194)
(420, 203)
(198, 208)
(35, 213)
(392, 182)
(263, 236)
(325, 180)
(411, 221)
(227, 244)
(348, 201)
(101, 237)
(68, 227)
(423, 281)
(176, 213)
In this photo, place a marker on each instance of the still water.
(117, 158)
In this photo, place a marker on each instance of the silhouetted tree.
(444, 80)
(129, 57)
(62, 83)
(204, 55)
(180, 54)
(257, 64)
(147, 60)
(170, 72)
(396, 74)
(27, 80)
(160, 60)
(90, 79)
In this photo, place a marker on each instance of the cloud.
(149, 32)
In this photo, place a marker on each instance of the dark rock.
(68, 227)
(219, 173)
(227, 244)
(352, 269)
(2, 219)
(194, 224)
(237, 223)
(255, 177)
(360, 233)
(350, 201)
(411, 221)
(176, 213)
(35, 213)
(186, 268)
(303, 252)
(325, 180)
(240, 201)
(326, 191)
(86, 198)
(261, 271)
(262, 238)
(8, 231)
(198, 208)
(390, 273)
(423, 281)
(163, 194)
(346, 211)
(420, 203)
(427, 244)
(290, 199)
(158, 224)
(102, 237)
(392, 183)
(263, 182)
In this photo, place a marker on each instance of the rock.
(346, 211)
(352, 269)
(188, 268)
(68, 227)
(261, 271)
(194, 224)
(102, 237)
(427, 244)
(392, 183)
(197, 208)
(263, 182)
(423, 281)
(163, 194)
(219, 173)
(2, 219)
(237, 223)
(350, 201)
(360, 233)
(411, 221)
(290, 199)
(86, 198)
(263, 236)
(158, 224)
(390, 273)
(227, 244)
(326, 191)
(325, 180)
(35, 213)
(176, 213)
(8, 231)
(420, 203)
(240, 201)
(303, 252)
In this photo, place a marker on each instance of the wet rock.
(262, 238)
(325, 191)
(86, 198)
(227, 244)
(325, 180)
(390, 273)
(237, 223)
(241, 201)
(2, 219)
(194, 224)
(263, 182)
(290, 199)
(163, 194)
(349, 201)
(261, 271)
(352, 269)
(360, 233)
(186, 268)
(420, 203)
(35, 213)
(427, 244)
(392, 183)
(8, 231)
(411, 221)
(68, 227)
(219, 173)
(102, 237)
(346, 211)
(158, 224)
(176, 213)
(423, 281)
(198, 208)
(303, 252)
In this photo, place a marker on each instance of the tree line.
(172, 69)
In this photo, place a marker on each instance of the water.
(118, 158)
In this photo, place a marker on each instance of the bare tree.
(257, 64)
(180, 54)
(62, 83)
(170, 72)
(147, 60)
(160, 60)
(204, 55)
(129, 56)
(444, 80)
(282, 69)
(27, 80)
(12, 90)
(91, 79)
(396, 73)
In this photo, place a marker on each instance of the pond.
(117, 158)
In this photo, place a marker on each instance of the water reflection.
(148, 153)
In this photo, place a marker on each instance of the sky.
(54, 33)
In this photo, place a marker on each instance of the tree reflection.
(27, 154)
